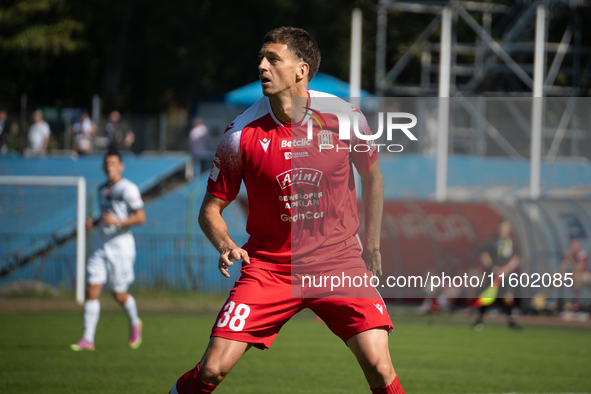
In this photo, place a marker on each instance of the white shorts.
(118, 268)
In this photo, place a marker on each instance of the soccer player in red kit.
(302, 218)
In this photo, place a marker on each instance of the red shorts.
(261, 303)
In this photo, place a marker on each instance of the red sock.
(191, 383)
(393, 388)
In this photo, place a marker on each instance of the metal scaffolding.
(507, 56)
(501, 55)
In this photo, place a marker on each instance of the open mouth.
(265, 81)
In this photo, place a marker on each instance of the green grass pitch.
(446, 357)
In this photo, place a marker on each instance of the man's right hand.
(373, 261)
(230, 254)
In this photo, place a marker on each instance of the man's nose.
(263, 64)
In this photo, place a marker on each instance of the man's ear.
(302, 71)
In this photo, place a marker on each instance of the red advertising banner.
(418, 237)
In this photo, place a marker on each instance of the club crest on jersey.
(308, 176)
(325, 138)
(265, 143)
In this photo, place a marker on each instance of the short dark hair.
(300, 43)
(112, 151)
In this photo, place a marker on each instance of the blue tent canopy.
(249, 94)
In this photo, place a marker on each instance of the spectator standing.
(39, 133)
(198, 143)
(119, 135)
(4, 131)
(576, 259)
(84, 132)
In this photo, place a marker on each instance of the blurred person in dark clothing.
(4, 131)
(500, 254)
(119, 135)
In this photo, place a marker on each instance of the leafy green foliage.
(153, 54)
(44, 26)
(149, 55)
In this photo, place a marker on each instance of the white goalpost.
(80, 184)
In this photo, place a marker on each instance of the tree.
(42, 26)
(33, 35)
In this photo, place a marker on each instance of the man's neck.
(112, 182)
(282, 104)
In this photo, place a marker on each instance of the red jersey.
(302, 199)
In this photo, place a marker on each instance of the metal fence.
(162, 263)
(153, 132)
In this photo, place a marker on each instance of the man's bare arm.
(486, 259)
(372, 193)
(45, 145)
(216, 230)
(512, 264)
(136, 218)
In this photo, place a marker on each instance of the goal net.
(42, 234)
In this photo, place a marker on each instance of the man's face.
(278, 69)
(114, 117)
(575, 245)
(3, 116)
(113, 167)
(505, 229)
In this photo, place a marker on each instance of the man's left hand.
(109, 219)
(373, 261)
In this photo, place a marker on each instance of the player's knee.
(380, 373)
(121, 298)
(93, 292)
(213, 372)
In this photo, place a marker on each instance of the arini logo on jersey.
(308, 176)
(265, 143)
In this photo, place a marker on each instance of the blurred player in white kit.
(121, 207)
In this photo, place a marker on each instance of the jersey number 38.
(238, 320)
